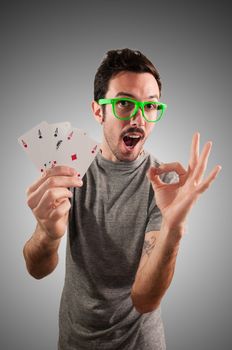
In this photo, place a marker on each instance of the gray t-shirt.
(109, 218)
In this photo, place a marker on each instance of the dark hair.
(121, 60)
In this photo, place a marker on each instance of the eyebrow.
(130, 95)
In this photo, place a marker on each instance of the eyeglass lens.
(125, 109)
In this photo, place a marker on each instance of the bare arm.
(156, 270)
(174, 200)
(41, 253)
(48, 199)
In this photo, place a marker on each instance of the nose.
(138, 118)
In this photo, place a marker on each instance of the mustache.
(133, 129)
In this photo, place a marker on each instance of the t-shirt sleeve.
(154, 218)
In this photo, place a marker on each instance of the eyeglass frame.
(138, 104)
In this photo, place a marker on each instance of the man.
(125, 220)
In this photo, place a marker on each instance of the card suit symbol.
(74, 156)
(58, 144)
(94, 149)
(24, 144)
(70, 135)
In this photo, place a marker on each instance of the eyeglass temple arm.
(104, 101)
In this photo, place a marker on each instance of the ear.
(97, 112)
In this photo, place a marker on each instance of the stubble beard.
(116, 152)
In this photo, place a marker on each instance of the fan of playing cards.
(49, 145)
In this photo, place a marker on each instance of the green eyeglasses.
(126, 108)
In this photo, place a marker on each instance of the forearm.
(41, 254)
(154, 278)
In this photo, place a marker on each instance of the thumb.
(153, 176)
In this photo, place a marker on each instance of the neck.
(103, 154)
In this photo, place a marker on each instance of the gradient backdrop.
(49, 54)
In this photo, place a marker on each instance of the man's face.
(120, 141)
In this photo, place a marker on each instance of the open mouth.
(131, 140)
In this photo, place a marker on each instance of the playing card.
(77, 151)
(56, 135)
(35, 143)
(59, 145)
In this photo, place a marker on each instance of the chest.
(110, 219)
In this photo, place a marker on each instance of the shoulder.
(151, 159)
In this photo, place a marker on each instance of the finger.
(202, 162)
(56, 171)
(60, 170)
(153, 176)
(52, 182)
(51, 196)
(60, 211)
(209, 180)
(194, 152)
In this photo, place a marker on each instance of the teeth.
(133, 136)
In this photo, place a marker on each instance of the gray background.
(49, 55)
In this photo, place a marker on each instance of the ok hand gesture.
(175, 200)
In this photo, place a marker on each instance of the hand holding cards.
(48, 145)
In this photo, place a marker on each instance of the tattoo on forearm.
(148, 246)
